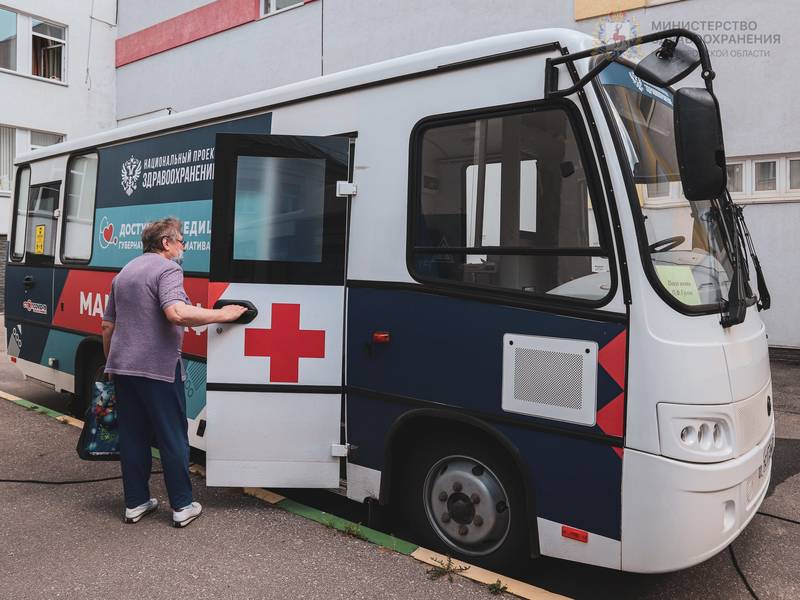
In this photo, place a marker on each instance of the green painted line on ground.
(38, 408)
(55, 414)
(348, 527)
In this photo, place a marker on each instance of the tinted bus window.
(40, 233)
(79, 208)
(21, 212)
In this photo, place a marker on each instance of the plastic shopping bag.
(99, 439)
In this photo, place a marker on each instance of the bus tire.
(93, 371)
(464, 498)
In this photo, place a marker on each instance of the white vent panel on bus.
(549, 377)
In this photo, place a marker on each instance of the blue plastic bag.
(99, 439)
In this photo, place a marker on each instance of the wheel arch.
(86, 349)
(419, 419)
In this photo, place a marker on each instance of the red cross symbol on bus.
(285, 344)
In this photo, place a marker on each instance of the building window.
(8, 40)
(79, 208)
(794, 174)
(766, 176)
(7, 154)
(41, 139)
(48, 43)
(271, 6)
(502, 204)
(736, 178)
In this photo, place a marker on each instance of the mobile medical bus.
(463, 302)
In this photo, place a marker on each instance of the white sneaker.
(133, 515)
(184, 516)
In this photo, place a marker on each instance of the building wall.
(81, 104)
(752, 52)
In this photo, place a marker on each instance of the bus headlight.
(696, 433)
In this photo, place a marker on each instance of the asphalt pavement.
(70, 542)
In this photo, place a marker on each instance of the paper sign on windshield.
(679, 281)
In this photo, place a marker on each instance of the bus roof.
(404, 66)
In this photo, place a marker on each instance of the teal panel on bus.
(195, 386)
(118, 232)
(62, 346)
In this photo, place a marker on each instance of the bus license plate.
(766, 458)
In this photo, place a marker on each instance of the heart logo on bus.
(107, 234)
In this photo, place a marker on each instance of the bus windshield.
(688, 243)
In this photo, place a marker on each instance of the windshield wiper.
(734, 310)
(764, 299)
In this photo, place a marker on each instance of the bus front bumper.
(677, 514)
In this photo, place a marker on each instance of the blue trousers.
(149, 409)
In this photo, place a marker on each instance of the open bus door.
(274, 386)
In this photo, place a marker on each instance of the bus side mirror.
(669, 64)
(698, 137)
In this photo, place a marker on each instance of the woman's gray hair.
(157, 230)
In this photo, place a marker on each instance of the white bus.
(467, 300)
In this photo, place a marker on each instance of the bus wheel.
(93, 372)
(467, 503)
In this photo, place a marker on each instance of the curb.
(384, 540)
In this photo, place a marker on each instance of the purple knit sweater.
(144, 342)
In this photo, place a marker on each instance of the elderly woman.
(142, 335)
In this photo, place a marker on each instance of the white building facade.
(56, 77)
(172, 56)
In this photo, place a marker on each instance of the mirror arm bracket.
(611, 51)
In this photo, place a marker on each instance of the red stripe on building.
(186, 28)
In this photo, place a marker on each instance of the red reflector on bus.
(380, 337)
(13, 359)
(575, 534)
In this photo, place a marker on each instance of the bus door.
(29, 278)
(274, 381)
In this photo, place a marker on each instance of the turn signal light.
(380, 337)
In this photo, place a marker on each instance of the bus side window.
(20, 213)
(504, 203)
(79, 208)
(40, 235)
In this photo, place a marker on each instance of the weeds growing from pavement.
(445, 568)
(354, 530)
(497, 588)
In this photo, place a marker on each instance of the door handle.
(28, 281)
(247, 317)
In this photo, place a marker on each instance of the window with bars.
(48, 42)
(7, 153)
(41, 139)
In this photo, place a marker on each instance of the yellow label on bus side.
(39, 247)
(679, 281)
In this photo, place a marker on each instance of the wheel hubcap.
(466, 505)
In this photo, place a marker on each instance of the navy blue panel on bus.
(447, 352)
(29, 293)
(26, 340)
(174, 167)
